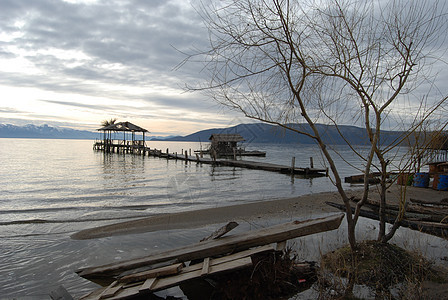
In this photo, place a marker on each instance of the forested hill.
(266, 133)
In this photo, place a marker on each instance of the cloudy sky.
(74, 63)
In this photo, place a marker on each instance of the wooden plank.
(221, 246)
(163, 271)
(221, 231)
(198, 267)
(147, 285)
(111, 290)
(238, 255)
(166, 282)
(205, 266)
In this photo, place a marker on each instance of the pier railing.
(117, 146)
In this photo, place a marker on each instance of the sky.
(75, 63)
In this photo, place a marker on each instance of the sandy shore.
(298, 207)
(290, 207)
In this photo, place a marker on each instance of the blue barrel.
(442, 185)
(421, 180)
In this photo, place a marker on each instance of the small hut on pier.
(225, 144)
(109, 144)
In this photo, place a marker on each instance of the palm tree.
(108, 122)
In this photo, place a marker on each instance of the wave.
(140, 207)
(43, 221)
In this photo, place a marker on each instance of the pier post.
(197, 157)
(293, 164)
(189, 152)
(311, 163)
(186, 155)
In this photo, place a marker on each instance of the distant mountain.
(44, 132)
(252, 133)
(266, 133)
(49, 132)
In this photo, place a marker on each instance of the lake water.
(51, 189)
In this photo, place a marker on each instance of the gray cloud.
(140, 37)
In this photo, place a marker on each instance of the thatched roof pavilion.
(122, 127)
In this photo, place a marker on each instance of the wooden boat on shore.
(142, 276)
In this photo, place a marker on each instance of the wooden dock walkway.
(143, 150)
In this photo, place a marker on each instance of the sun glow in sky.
(76, 63)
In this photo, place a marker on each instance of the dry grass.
(377, 266)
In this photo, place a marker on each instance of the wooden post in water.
(311, 163)
(186, 156)
(197, 157)
(189, 152)
(293, 164)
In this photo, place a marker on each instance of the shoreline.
(296, 207)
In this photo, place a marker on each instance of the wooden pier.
(139, 148)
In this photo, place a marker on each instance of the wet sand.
(281, 208)
(293, 208)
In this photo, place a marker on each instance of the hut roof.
(226, 138)
(123, 126)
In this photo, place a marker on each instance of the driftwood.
(217, 247)
(443, 203)
(122, 290)
(413, 210)
(163, 271)
(373, 178)
(221, 231)
(434, 228)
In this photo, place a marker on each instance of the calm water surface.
(53, 188)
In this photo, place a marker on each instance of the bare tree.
(332, 62)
